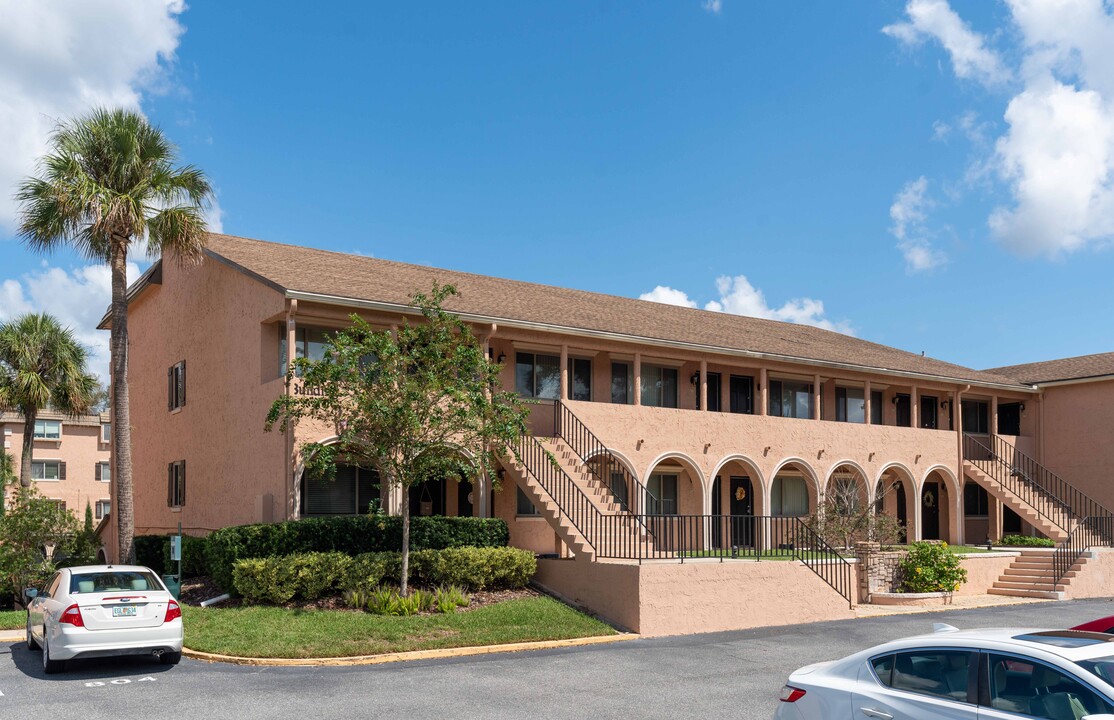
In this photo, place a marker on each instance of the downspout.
(293, 503)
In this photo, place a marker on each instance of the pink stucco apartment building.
(680, 433)
(70, 458)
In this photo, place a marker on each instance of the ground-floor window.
(101, 509)
(976, 501)
(353, 491)
(523, 506)
(663, 489)
(789, 496)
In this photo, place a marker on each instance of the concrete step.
(1002, 585)
(1029, 572)
(1043, 594)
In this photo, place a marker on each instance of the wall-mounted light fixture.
(894, 400)
(1022, 406)
(501, 358)
(501, 474)
(695, 378)
(944, 404)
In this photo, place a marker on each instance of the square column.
(564, 372)
(914, 407)
(763, 393)
(704, 385)
(638, 378)
(816, 396)
(867, 409)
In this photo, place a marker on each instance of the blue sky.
(618, 147)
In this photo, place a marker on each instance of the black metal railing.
(1047, 493)
(1089, 532)
(569, 497)
(608, 470)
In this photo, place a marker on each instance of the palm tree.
(41, 365)
(110, 179)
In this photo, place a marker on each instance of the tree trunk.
(29, 417)
(121, 417)
(404, 581)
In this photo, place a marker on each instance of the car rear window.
(113, 581)
(1066, 638)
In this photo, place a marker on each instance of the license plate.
(123, 611)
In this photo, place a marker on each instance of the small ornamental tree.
(30, 523)
(415, 403)
(845, 517)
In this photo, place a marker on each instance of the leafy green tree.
(415, 403)
(111, 179)
(31, 523)
(41, 365)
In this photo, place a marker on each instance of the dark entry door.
(741, 391)
(464, 498)
(930, 511)
(428, 498)
(719, 528)
(902, 513)
(742, 511)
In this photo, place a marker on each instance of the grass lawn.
(279, 632)
(13, 619)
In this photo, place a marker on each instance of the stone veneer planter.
(929, 599)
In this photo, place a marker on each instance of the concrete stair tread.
(1043, 594)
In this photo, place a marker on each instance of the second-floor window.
(850, 405)
(48, 429)
(176, 386)
(621, 383)
(176, 484)
(537, 376)
(790, 398)
(48, 470)
(659, 386)
(106, 432)
(580, 379)
(103, 472)
(976, 416)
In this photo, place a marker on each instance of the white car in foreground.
(950, 674)
(101, 611)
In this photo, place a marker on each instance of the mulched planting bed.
(196, 590)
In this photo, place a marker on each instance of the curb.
(438, 654)
(12, 636)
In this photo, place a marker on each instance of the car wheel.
(170, 658)
(31, 644)
(50, 666)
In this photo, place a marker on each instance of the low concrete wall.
(694, 597)
(931, 599)
(1096, 578)
(983, 570)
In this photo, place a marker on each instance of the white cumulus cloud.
(60, 58)
(1056, 156)
(935, 19)
(713, 6)
(737, 296)
(78, 298)
(909, 212)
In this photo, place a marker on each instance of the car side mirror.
(30, 594)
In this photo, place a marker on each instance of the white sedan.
(101, 611)
(950, 674)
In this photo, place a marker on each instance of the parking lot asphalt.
(735, 675)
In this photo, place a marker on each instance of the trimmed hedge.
(308, 576)
(1025, 541)
(353, 535)
(154, 552)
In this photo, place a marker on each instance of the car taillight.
(791, 694)
(173, 612)
(72, 616)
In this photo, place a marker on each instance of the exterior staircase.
(1047, 502)
(1033, 575)
(584, 513)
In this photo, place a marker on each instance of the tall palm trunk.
(121, 420)
(29, 417)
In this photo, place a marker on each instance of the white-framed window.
(176, 386)
(101, 509)
(106, 432)
(176, 484)
(48, 470)
(663, 494)
(103, 472)
(48, 429)
(537, 376)
(523, 506)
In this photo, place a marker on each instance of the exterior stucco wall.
(1077, 428)
(678, 599)
(530, 533)
(210, 316)
(80, 448)
(983, 571)
(1096, 579)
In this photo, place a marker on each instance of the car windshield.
(113, 581)
(1101, 667)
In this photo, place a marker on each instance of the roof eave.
(623, 337)
(151, 276)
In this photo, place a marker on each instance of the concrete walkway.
(959, 602)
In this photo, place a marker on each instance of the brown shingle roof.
(1074, 368)
(308, 270)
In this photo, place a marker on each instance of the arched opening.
(846, 515)
(737, 497)
(674, 503)
(793, 491)
(448, 493)
(353, 490)
(895, 496)
(939, 507)
(618, 476)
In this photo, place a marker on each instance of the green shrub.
(930, 567)
(149, 551)
(154, 552)
(307, 576)
(448, 599)
(475, 568)
(351, 535)
(370, 570)
(1026, 541)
